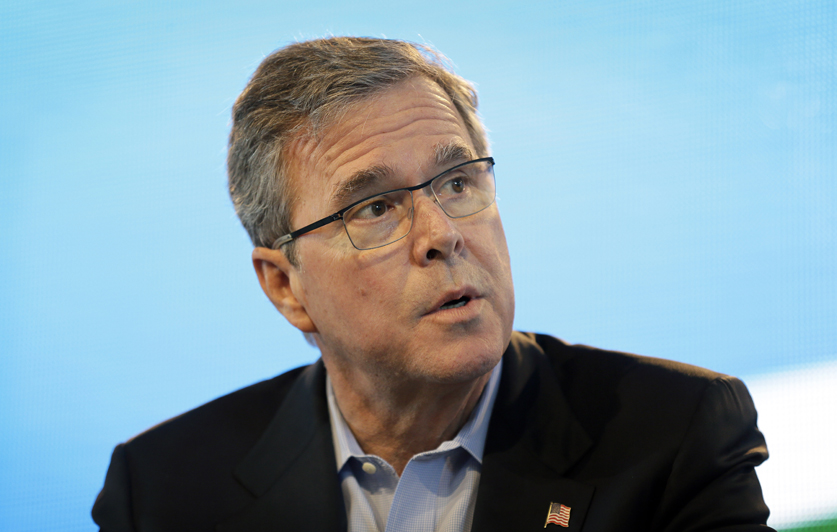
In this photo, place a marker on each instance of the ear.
(278, 279)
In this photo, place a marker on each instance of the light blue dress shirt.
(437, 490)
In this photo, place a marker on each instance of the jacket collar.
(534, 440)
(291, 469)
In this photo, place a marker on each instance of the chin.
(465, 364)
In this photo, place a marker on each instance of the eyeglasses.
(382, 219)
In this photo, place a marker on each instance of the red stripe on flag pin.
(558, 515)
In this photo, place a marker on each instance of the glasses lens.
(380, 220)
(467, 189)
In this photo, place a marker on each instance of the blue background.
(666, 177)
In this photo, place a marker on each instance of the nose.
(436, 236)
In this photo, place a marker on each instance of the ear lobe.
(275, 273)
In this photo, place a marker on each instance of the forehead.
(401, 131)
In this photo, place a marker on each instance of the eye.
(454, 185)
(373, 209)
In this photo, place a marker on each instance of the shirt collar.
(470, 437)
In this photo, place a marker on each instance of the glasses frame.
(284, 239)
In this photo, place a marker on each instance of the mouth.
(455, 298)
(456, 303)
(456, 306)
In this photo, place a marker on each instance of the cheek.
(499, 266)
(379, 276)
(355, 292)
(374, 290)
(501, 247)
(489, 242)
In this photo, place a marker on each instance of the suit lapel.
(533, 440)
(292, 470)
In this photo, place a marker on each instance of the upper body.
(626, 442)
(362, 174)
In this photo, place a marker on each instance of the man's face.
(377, 311)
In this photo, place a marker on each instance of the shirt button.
(369, 467)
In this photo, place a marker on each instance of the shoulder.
(603, 387)
(232, 421)
(582, 366)
(180, 472)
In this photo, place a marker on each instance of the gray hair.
(304, 87)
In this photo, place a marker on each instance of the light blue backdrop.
(666, 176)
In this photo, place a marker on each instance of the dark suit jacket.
(629, 443)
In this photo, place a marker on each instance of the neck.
(399, 420)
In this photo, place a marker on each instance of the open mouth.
(455, 303)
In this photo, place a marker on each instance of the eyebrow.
(359, 183)
(453, 152)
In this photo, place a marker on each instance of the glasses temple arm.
(301, 231)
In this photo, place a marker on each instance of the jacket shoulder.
(602, 386)
(585, 365)
(232, 421)
(178, 475)
(679, 440)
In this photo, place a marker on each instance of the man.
(361, 172)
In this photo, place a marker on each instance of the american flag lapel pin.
(558, 515)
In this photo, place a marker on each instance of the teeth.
(461, 302)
